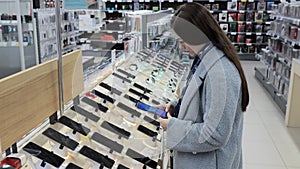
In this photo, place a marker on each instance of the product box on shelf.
(224, 27)
(250, 6)
(241, 17)
(232, 6)
(222, 17)
(242, 6)
(249, 16)
(232, 26)
(215, 6)
(259, 28)
(249, 27)
(261, 6)
(259, 16)
(207, 6)
(232, 17)
(241, 27)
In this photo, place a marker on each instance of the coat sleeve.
(222, 98)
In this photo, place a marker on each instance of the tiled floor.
(267, 142)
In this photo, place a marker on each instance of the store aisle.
(267, 142)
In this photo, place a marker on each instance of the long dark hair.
(201, 18)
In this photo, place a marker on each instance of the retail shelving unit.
(46, 32)
(282, 49)
(17, 37)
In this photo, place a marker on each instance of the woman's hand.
(166, 107)
(164, 122)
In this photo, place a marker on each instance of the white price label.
(211, 11)
(112, 0)
(249, 44)
(282, 0)
(129, 0)
(189, 0)
(110, 11)
(248, 33)
(251, 0)
(141, 0)
(104, 0)
(119, 0)
(224, 11)
(211, 1)
(258, 33)
(171, 0)
(147, 0)
(242, 11)
(248, 22)
(110, 21)
(120, 31)
(180, 0)
(109, 32)
(233, 33)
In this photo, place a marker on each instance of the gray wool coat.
(208, 131)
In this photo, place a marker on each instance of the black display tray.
(85, 113)
(94, 104)
(113, 145)
(96, 156)
(111, 89)
(104, 96)
(141, 95)
(126, 73)
(121, 77)
(142, 88)
(128, 109)
(60, 138)
(115, 129)
(73, 166)
(147, 131)
(74, 125)
(43, 154)
(140, 158)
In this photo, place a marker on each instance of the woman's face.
(184, 46)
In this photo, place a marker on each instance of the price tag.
(109, 32)
(242, 11)
(211, 11)
(248, 33)
(251, 0)
(113, 41)
(120, 31)
(189, 0)
(129, 0)
(244, 0)
(141, 0)
(224, 11)
(258, 33)
(110, 11)
(282, 0)
(104, 0)
(268, 23)
(119, 0)
(233, 33)
(249, 44)
(211, 1)
(248, 22)
(171, 0)
(180, 0)
(112, 0)
(110, 21)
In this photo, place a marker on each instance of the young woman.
(207, 134)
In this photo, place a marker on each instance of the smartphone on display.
(151, 109)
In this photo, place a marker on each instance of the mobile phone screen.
(151, 109)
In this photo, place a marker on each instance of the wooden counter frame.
(292, 118)
(29, 97)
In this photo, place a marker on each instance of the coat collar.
(208, 60)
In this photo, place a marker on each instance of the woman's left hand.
(164, 122)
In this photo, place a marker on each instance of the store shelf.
(114, 21)
(247, 56)
(279, 100)
(250, 44)
(238, 11)
(246, 33)
(288, 19)
(106, 41)
(9, 22)
(112, 31)
(118, 11)
(282, 38)
(246, 22)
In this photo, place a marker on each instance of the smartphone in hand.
(151, 109)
